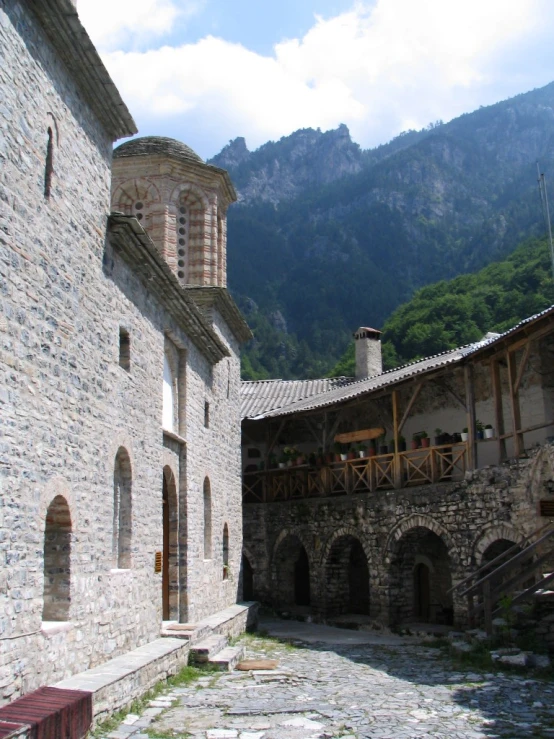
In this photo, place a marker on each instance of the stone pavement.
(337, 683)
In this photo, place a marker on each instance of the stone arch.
(132, 190)
(420, 572)
(415, 521)
(191, 210)
(122, 510)
(493, 533)
(291, 567)
(346, 571)
(207, 497)
(59, 486)
(57, 561)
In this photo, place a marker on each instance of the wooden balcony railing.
(365, 475)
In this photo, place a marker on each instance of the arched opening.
(168, 409)
(347, 578)
(170, 558)
(291, 574)
(420, 579)
(57, 561)
(247, 579)
(207, 519)
(49, 164)
(225, 548)
(122, 510)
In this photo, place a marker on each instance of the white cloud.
(379, 68)
(115, 24)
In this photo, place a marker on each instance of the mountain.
(327, 237)
(452, 313)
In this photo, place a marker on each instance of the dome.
(160, 145)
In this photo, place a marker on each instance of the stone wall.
(69, 407)
(445, 527)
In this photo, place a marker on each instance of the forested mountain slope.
(452, 313)
(328, 237)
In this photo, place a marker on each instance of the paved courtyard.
(338, 683)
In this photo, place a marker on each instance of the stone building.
(120, 503)
(349, 527)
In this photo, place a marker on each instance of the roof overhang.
(133, 244)
(220, 299)
(61, 24)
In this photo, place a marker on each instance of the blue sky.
(207, 71)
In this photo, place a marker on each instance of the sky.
(207, 71)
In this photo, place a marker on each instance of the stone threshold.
(115, 684)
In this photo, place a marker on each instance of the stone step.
(193, 633)
(204, 650)
(228, 658)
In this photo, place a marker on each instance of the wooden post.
(514, 399)
(397, 470)
(470, 411)
(498, 409)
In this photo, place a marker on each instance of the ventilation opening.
(124, 349)
(207, 415)
(49, 164)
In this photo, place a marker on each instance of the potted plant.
(425, 440)
(352, 453)
(415, 441)
(361, 451)
(439, 437)
(464, 434)
(371, 451)
(489, 431)
(400, 444)
(480, 429)
(282, 461)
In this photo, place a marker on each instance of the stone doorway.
(347, 578)
(291, 574)
(420, 579)
(247, 579)
(170, 552)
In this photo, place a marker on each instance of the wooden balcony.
(386, 471)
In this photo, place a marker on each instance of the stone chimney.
(368, 352)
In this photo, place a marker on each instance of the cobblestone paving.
(382, 690)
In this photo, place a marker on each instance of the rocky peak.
(233, 154)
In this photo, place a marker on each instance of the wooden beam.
(522, 366)
(498, 409)
(413, 399)
(273, 441)
(312, 430)
(514, 401)
(470, 407)
(363, 435)
(452, 393)
(335, 425)
(397, 476)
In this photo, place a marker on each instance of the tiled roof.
(263, 396)
(350, 389)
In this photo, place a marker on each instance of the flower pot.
(438, 440)
(361, 454)
(480, 435)
(414, 444)
(401, 446)
(289, 463)
(300, 460)
(351, 455)
(371, 452)
(329, 458)
(464, 435)
(343, 457)
(282, 465)
(425, 442)
(338, 457)
(489, 433)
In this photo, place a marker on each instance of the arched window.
(225, 552)
(57, 561)
(168, 397)
(207, 520)
(49, 164)
(122, 510)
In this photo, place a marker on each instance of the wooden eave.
(220, 299)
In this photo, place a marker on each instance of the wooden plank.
(470, 405)
(522, 366)
(413, 399)
(514, 404)
(536, 427)
(362, 435)
(498, 410)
